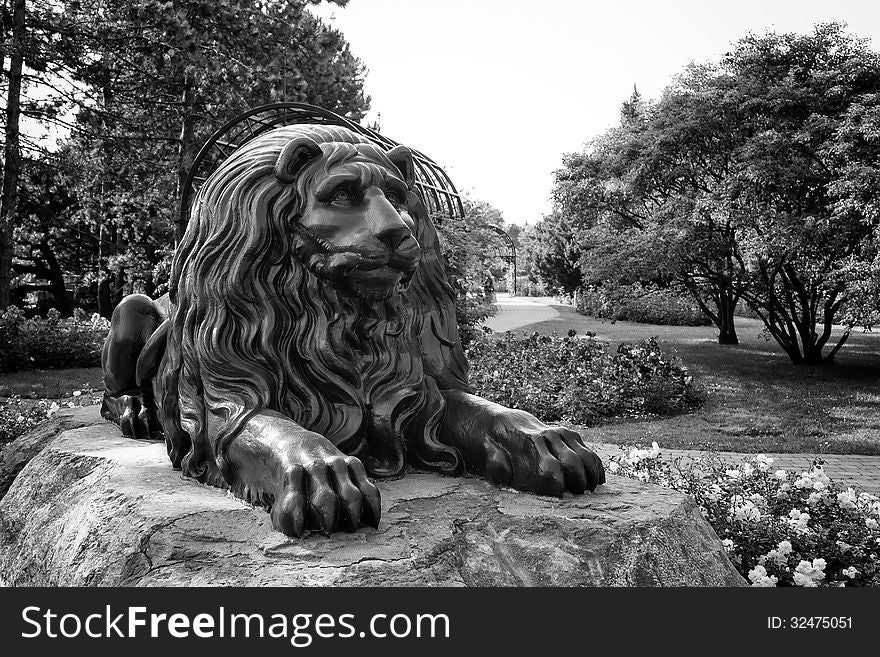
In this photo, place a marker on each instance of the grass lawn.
(757, 401)
(50, 384)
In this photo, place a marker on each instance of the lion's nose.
(393, 234)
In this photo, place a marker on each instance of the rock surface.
(94, 508)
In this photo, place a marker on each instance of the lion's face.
(355, 230)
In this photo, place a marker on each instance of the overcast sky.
(497, 90)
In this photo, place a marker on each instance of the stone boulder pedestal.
(94, 508)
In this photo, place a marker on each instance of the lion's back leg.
(132, 349)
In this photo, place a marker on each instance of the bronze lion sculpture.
(309, 341)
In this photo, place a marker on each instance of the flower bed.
(576, 379)
(18, 416)
(53, 342)
(780, 528)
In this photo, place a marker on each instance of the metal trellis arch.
(432, 184)
(511, 253)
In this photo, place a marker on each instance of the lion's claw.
(327, 495)
(135, 415)
(541, 459)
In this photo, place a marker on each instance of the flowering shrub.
(779, 528)
(575, 379)
(52, 342)
(640, 303)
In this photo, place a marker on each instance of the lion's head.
(300, 287)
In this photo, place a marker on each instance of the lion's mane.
(252, 329)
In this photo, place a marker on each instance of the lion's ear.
(296, 154)
(402, 158)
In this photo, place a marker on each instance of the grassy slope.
(757, 400)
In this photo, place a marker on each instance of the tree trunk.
(62, 297)
(725, 303)
(12, 152)
(185, 154)
(726, 325)
(105, 297)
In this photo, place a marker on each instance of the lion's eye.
(393, 197)
(342, 197)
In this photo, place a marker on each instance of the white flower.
(847, 499)
(52, 409)
(804, 481)
(780, 474)
(655, 450)
(798, 520)
(77, 393)
(746, 512)
(764, 462)
(814, 498)
(819, 478)
(809, 574)
(802, 580)
(733, 474)
(850, 572)
(728, 544)
(20, 418)
(758, 499)
(870, 523)
(780, 553)
(614, 466)
(71, 405)
(758, 577)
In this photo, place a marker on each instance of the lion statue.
(308, 342)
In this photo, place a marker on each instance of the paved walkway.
(848, 469)
(851, 469)
(516, 312)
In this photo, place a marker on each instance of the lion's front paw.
(328, 493)
(548, 460)
(135, 415)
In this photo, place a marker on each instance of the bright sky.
(496, 91)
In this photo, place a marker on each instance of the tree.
(737, 181)
(12, 147)
(469, 246)
(553, 253)
(143, 83)
(643, 190)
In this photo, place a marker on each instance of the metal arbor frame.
(432, 184)
(511, 254)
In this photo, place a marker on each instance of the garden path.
(854, 469)
(516, 312)
(851, 469)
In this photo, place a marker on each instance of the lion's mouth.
(366, 276)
